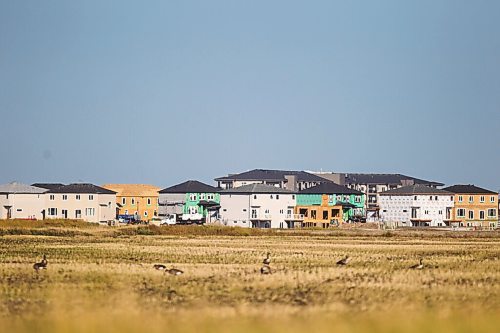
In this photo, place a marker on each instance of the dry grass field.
(101, 280)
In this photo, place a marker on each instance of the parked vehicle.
(170, 219)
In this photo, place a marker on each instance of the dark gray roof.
(468, 189)
(191, 186)
(48, 186)
(272, 175)
(389, 178)
(81, 188)
(415, 189)
(20, 188)
(256, 188)
(329, 188)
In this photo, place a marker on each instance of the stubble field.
(103, 281)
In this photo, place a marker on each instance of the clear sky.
(163, 91)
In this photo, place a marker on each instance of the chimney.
(291, 182)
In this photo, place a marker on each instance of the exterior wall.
(24, 206)
(398, 208)
(93, 207)
(140, 206)
(171, 203)
(488, 205)
(192, 202)
(256, 209)
(327, 208)
(301, 185)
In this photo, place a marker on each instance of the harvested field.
(102, 280)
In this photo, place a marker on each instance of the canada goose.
(174, 271)
(420, 265)
(160, 267)
(265, 269)
(267, 260)
(344, 261)
(41, 265)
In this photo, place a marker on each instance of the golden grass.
(102, 280)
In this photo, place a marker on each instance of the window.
(254, 214)
(255, 196)
(210, 197)
(492, 212)
(471, 198)
(325, 215)
(277, 196)
(281, 211)
(202, 196)
(430, 198)
(426, 212)
(415, 198)
(481, 214)
(124, 201)
(471, 214)
(78, 214)
(91, 197)
(149, 201)
(357, 199)
(65, 197)
(89, 211)
(461, 212)
(413, 213)
(313, 213)
(460, 198)
(271, 196)
(78, 197)
(440, 212)
(436, 197)
(126, 211)
(146, 214)
(481, 198)
(51, 197)
(132, 201)
(192, 197)
(451, 198)
(492, 199)
(293, 196)
(52, 211)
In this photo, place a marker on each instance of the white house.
(87, 202)
(21, 201)
(416, 205)
(257, 206)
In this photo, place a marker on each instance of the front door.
(65, 213)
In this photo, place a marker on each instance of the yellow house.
(136, 199)
(474, 206)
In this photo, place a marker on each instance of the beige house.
(87, 202)
(21, 201)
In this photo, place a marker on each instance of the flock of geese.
(265, 269)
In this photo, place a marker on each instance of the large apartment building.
(290, 180)
(372, 184)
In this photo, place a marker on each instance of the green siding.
(196, 202)
(315, 200)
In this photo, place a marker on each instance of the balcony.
(294, 217)
(260, 217)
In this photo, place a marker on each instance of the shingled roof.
(19, 188)
(191, 186)
(468, 189)
(272, 175)
(329, 188)
(256, 188)
(47, 186)
(382, 178)
(82, 188)
(415, 189)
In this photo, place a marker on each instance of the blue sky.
(162, 91)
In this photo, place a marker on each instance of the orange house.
(474, 206)
(136, 199)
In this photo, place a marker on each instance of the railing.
(261, 217)
(294, 217)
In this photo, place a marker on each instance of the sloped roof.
(20, 188)
(384, 178)
(415, 189)
(191, 186)
(256, 188)
(47, 186)
(272, 175)
(329, 188)
(82, 188)
(468, 189)
(133, 190)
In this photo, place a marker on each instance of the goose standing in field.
(420, 265)
(267, 259)
(265, 269)
(174, 271)
(41, 265)
(159, 267)
(344, 261)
